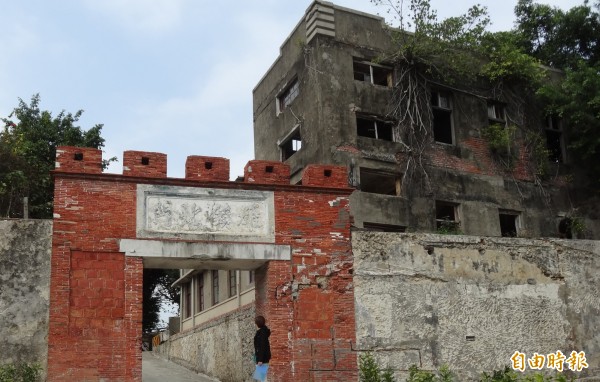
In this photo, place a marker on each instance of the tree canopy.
(28, 152)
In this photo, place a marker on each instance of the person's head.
(260, 321)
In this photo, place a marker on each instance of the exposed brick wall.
(146, 164)
(308, 301)
(207, 168)
(325, 176)
(266, 172)
(482, 161)
(79, 159)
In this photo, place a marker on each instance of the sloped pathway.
(157, 369)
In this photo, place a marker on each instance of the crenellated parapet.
(152, 165)
(78, 160)
(145, 164)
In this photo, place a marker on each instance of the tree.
(157, 290)
(28, 152)
(569, 41)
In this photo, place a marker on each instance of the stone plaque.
(204, 214)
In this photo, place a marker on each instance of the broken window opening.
(215, 287)
(374, 128)
(232, 283)
(372, 73)
(291, 146)
(496, 113)
(287, 96)
(554, 139)
(200, 307)
(187, 300)
(446, 216)
(377, 227)
(442, 117)
(508, 224)
(380, 182)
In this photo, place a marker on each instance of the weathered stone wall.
(221, 348)
(471, 302)
(25, 248)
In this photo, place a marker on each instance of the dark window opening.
(187, 300)
(232, 283)
(383, 227)
(78, 156)
(554, 146)
(327, 173)
(554, 138)
(373, 128)
(251, 276)
(215, 287)
(287, 96)
(208, 165)
(372, 73)
(201, 305)
(291, 146)
(496, 113)
(269, 169)
(508, 225)
(565, 227)
(145, 161)
(442, 117)
(380, 182)
(446, 216)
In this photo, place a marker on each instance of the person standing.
(262, 349)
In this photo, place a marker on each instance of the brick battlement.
(143, 164)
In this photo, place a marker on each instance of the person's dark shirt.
(262, 349)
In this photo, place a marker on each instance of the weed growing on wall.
(370, 371)
(20, 372)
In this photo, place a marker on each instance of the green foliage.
(449, 227)
(156, 291)
(576, 100)
(506, 61)
(446, 49)
(28, 152)
(536, 145)
(418, 375)
(505, 375)
(20, 372)
(500, 139)
(568, 40)
(370, 371)
(558, 38)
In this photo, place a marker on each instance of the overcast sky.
(171, 76)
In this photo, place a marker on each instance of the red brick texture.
(266, 172)
(96, 291)
(79, 159)
(145, 164)
(325, 176)
(207, 168)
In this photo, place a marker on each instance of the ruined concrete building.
(326, 99)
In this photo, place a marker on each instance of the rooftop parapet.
(78, 159)
(145, 164)
(207, 168)
(266, 172)
(325, 176)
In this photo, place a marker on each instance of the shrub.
(370, 371)
(20, 372)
